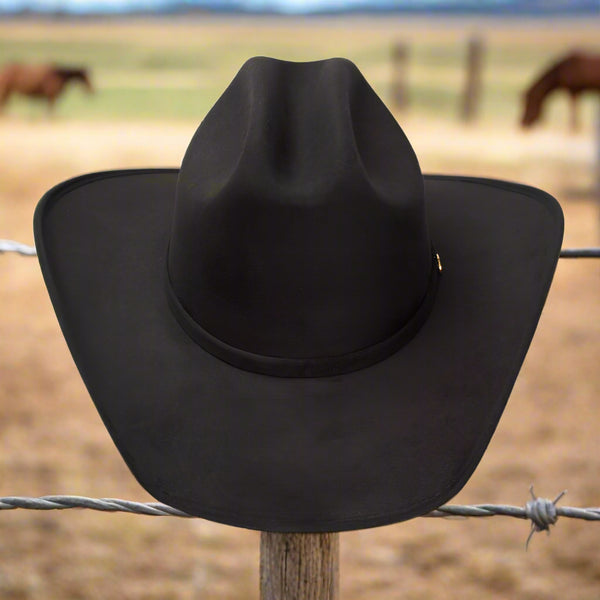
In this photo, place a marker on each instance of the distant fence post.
(399, 86)
(472, 90)
(299, 566)
(597, 150)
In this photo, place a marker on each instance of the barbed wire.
(154, 509)
(18, 247)
(25, 250)
(542, 512)
(580, 253)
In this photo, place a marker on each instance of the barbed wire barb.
(542, 513)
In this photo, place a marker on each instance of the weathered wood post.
(299, 566)
(399, 87)
(597, 151)
(472, 90)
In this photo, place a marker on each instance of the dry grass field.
(52, 440)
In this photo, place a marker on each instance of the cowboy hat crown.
(304, 236)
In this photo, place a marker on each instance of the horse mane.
(70, 73)
(548, 80)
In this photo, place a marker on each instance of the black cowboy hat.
(297, 331)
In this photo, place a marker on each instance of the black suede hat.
(298, 331)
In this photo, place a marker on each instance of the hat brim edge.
(271, 522)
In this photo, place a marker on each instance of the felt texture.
(279, 265)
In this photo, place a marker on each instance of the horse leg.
(50, 107)
(52, 88)
(574, 95)
(4, 95)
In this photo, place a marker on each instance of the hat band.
(323, 366)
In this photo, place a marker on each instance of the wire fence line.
(580, 253)
(25, 250)
(541, 512)
(17, 247)
(153, 509)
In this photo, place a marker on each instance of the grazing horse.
(575, 73)
(39, 81)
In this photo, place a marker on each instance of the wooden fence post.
(597, 157)
(399, 87)
(472, 89)
(299, 566)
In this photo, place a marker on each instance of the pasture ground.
(155, 81)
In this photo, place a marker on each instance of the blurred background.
(125, 84)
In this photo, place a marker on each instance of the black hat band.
(323, 366)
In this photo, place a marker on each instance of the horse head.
(532, 110)
(84, 77)
(79, 74)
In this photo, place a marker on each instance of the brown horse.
(575, 73)
(39, 81)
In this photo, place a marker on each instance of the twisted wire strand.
(519, 512)
(580, 253)
(542, 512)
(25, 250)
(61, 502)
(18, 247)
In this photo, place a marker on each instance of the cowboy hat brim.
(376, 446)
